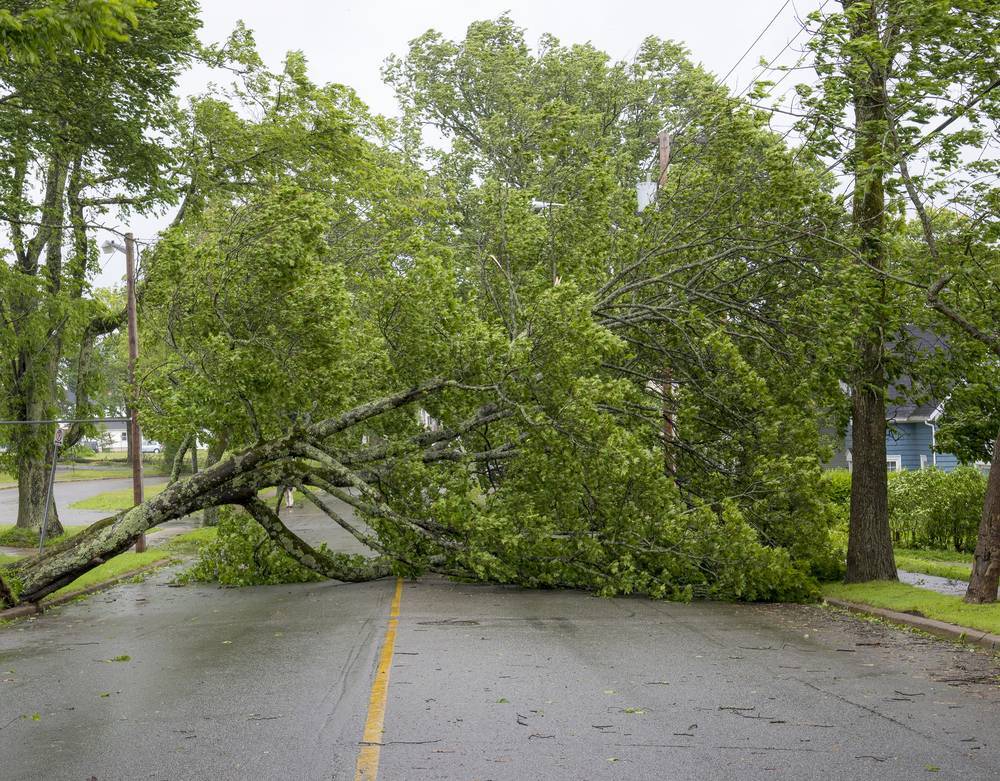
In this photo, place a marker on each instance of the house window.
(894, 463)
(124, 435)
(923, 461)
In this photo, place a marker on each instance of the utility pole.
(135, 434)
(667, 379)
(663, 145)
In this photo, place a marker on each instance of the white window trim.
(923, 461)
(897, 461)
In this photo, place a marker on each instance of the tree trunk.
(177, 460)
(985, 577)
(210, 515)
(869, 545)
(32, 487)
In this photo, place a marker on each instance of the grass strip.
(935, 554)
(918, 601)
(114, 568)
(8, 480)
(113, 501)
(190, 542)
(13, 537)
(942, 563)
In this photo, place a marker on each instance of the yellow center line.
(371, 742)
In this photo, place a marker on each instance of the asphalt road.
(485, 683)
(67, 493)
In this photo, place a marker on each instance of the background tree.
(897, 67)
(84, 133)
(64, 28)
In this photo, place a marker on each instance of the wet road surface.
(486, 683)
(68, 492)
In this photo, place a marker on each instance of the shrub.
(934, 509)
(838, 486)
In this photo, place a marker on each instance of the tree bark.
(210, 515)
(985, 578)
(32, 486)
(37, 365)
(178, 460)
(236, 480)
(869, 545)
(337, 566)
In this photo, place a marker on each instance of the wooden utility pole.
(135, 433)
(667, 379)
(663, 144)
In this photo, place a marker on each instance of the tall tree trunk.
(869, 545)
(985, 577)
(38, 363)
(32, 487)
(34, 449)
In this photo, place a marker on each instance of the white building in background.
(112, 437)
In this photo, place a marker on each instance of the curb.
(34, 607)
(961, 634)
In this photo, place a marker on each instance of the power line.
(757, 40)
(741, 93)
(61, 420)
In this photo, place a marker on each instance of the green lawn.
(5, 559)
(191, 542)
(935, 555)
(187, 543)
(113, 501)
(13, 537)
(113, 568)
(945, 564)
(70, 475)
(910, 599)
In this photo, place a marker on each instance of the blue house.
(909, 440)
(911, 428)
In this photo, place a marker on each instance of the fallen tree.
(268, 313)
(640, 539)
(301, 457)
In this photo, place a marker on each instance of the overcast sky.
(347, 42)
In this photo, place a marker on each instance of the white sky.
(347, 42)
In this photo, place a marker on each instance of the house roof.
(901, 409)
(904, 404)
